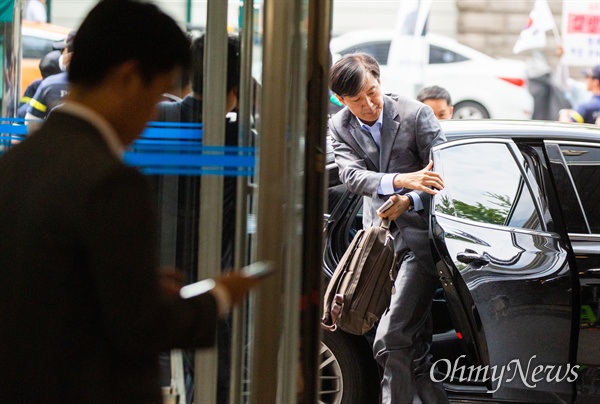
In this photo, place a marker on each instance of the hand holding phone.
(257, 270)
(386, 205)
(237, 283)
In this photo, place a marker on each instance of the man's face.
(592, 84)
(368, 104)
(440, 107)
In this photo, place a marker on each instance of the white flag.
(409, 51)
(534, 35)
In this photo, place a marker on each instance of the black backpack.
(362, 284)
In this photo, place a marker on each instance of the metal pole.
(319, 32)
(211, 192)
(188, 12)
(49, 10)
(289, 380)
(273, 187)
(245, 107)
(11, 60)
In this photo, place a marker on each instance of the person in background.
(35, 11)
(188, 211)
(381, 145)
(181, 88)
(439, 100)
(52, 89)
(84, 308)
(589, 111)
(49, 66)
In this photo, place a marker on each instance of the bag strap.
(336, 309)
(385, 223)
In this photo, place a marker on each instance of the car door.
(575, 168)
(506, 273)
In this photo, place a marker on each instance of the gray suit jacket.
(408, 132)
(81, 316)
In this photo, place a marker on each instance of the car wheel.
(348, 372)
(470, 110)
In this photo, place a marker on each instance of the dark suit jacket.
(188, 210)
(81, 317)
(408, 132)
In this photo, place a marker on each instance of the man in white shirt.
(35, 11)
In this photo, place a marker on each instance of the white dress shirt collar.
(378, 121)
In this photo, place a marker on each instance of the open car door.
(505, 272)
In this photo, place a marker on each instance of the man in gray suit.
(381, 145)
(84, 310)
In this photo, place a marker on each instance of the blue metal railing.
(167, 148)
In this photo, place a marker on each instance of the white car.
(480, 86)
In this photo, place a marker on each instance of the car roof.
(44, 30)
(353, 38)
(514, 129)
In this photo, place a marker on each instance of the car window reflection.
(484, 184)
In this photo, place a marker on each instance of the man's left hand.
(401, 204)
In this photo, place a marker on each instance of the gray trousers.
(403, 339)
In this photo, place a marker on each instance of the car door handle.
(469, 256)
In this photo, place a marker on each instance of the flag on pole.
(409, 51)
(534, 35)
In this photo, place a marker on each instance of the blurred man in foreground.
(83, 307)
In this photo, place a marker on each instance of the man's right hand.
(420, 180)
(237, 285)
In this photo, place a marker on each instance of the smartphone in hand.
(257, 270)
(386, 205)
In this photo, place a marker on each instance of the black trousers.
(403, 338)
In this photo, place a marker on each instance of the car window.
(484, 183)
(438, 55)
(379, 50)
(569, 202)
(584, 167)
(35, 48)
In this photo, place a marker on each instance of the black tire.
(470, 110)
(349, 374)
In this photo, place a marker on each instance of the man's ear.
(126, 74)
(340, 99)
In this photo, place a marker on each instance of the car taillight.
(515, 81)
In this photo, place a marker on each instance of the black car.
(516, 233)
